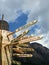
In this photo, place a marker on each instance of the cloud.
(45, 40)
(41, 13)
(9, 8)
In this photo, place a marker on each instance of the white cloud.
(9, 8)
(45, 40)
(41, 13)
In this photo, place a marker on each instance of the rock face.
(40, 56)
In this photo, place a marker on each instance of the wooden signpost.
(19, 44)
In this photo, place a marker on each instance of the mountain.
(40, 55)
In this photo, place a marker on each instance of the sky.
(19, 12)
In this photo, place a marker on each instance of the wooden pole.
(1, 42)
(0, 48)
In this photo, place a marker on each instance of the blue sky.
(19, 12)
(18, 22)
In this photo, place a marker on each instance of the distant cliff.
(40, 56)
